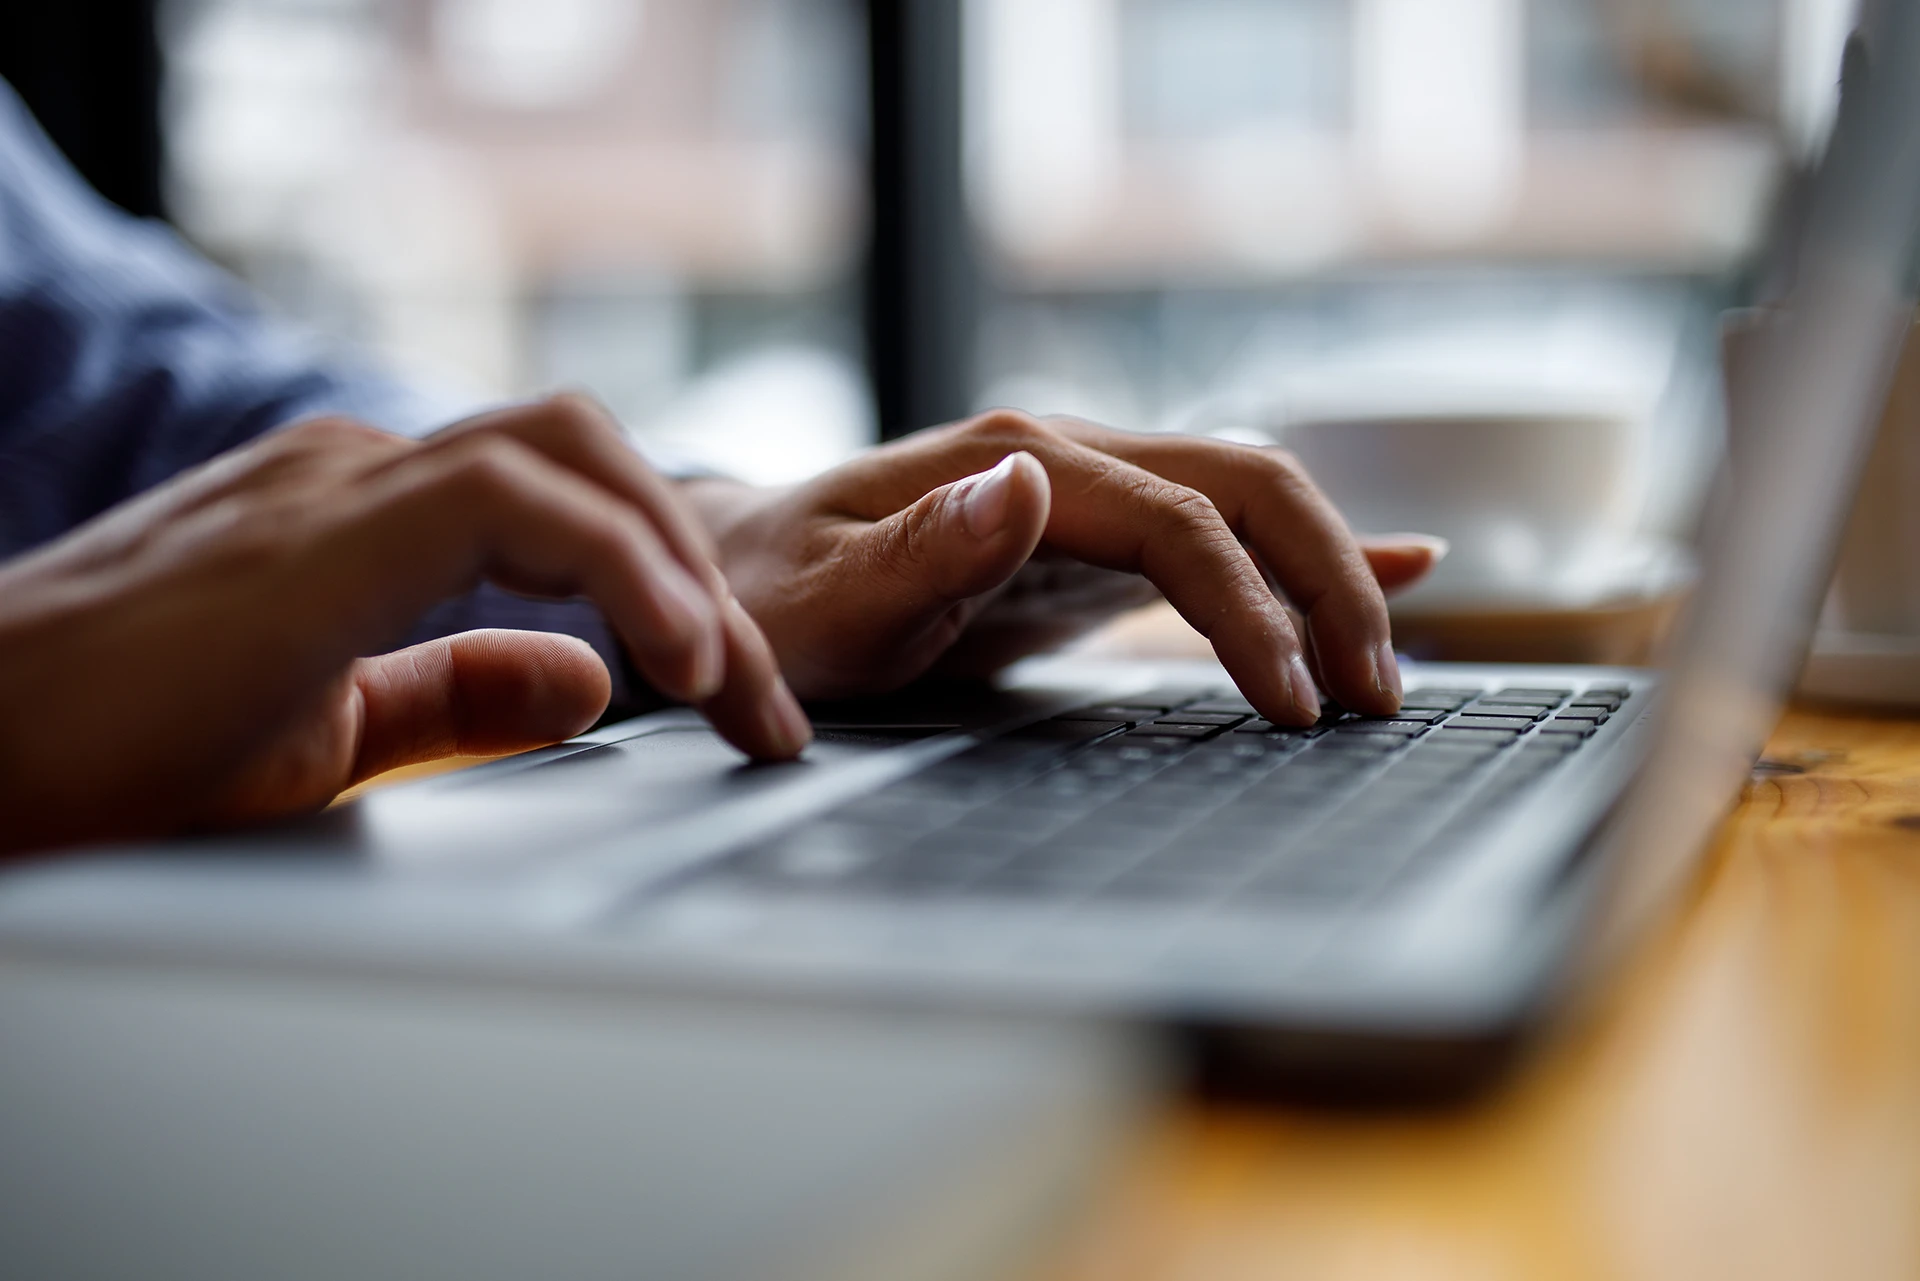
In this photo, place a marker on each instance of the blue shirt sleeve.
(126, 357)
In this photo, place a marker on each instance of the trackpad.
(661, 774)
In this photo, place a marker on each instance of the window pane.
(1215, 214)
(658, 200)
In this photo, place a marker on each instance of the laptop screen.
(1806, 402)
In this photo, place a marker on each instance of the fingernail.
(785, 722)
(1386, 672)
(1306, 699)
(988, 498)
(1433, 543)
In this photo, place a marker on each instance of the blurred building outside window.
(1219, 214)
(1189, 214)
(661, 201)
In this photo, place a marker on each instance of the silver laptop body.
(1374, 905)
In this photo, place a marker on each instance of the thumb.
(959, 541)
(476, 694)
(1401, 560)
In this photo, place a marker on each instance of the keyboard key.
(1112, 712)
(1407, 729)
(1440, 692)
(1345, 744)
(1614, 691)
(1134, 754)
(1580, 729)
(1518, 695)
(1288, 731)
(1190, 717)
(1058, 731)
(1113, 838)
(1006, 823)
(1454, 735)
(1160, 729)
(1444, 766)
(1424, 715)
(1233, 706)
(1169, 698)
(1512, 724)
(1528, 711)
(1184, 785)
(1238, 750)
(1594, 715)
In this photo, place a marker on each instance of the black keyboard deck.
(1185, 795)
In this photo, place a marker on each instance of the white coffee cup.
(1876, 585)
(1538, 503)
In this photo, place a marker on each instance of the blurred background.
(767, 232)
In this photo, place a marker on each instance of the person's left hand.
(970, 546)
(220, 650)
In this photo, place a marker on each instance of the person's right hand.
(912, 556)
(194, 657)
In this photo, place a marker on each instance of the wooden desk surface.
(1744, 1101)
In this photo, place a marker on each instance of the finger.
(479, 693)
(489, 507)
(952, 545)
(1400, 560)
(755, 711)
(1266, 498)
(580, 435)
(1124, 517)
(1110, 513)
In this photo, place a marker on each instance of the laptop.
(1369, 905)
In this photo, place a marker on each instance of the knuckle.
(576, 412)
(332, 428)
(1011, 428)
(1285, 468)
(485, 464)
(329, 436)
(912, 544)
(1187, 509)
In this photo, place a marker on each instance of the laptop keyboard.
(1186, 795)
